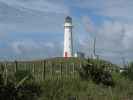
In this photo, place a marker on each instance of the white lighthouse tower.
(68, 38)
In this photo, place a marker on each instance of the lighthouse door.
(66, 55)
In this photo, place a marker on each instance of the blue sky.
(33, 29)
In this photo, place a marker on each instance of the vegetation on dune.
(128, 72)
(98, 73)
(99, 80)
(21, 87)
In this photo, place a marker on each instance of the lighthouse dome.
(68, 19)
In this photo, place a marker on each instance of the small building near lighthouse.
(79, 55)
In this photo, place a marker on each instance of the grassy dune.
(54, 88)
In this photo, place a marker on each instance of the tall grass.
(86, 90)
(71, 89)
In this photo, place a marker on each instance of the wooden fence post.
(16, 66)
(44, 70)
(73, 70)
(25, 66)
(5, 73)
(66, 72)
(61, 70)
(52, 70)
(33, 70)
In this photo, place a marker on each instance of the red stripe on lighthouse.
(66, 55)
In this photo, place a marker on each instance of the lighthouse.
(68, 38)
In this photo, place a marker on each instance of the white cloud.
(89, 25)
(111, 32)
(31, 16)
(50, 45)
(128, 38)
(120, 9)
(47, 16)
(38, 5)
(26, 48)
(114, 39)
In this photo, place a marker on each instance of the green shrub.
(19, 90)
(96, 73)
(128, 71)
